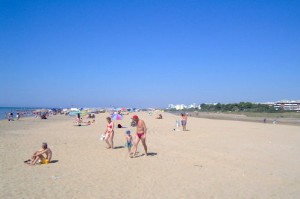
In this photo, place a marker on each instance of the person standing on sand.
(128, 143)
(109, 133)
(183, 121)
(78, 119)
(141, 130)
(10, 116)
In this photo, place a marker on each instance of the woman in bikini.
(109, 134)
(140, 135)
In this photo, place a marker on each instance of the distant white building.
(192, 105)
(288, 105)
(171, 106)
(180, 107)
(183, 106)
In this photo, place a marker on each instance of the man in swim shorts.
(183, 121)
(39, 155)
(141, 130)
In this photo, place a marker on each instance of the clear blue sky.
(148, 53)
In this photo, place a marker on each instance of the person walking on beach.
(39, 155)
(109, 133)
(128, 143)
(183, 121)
(141, 130)
(78, 119)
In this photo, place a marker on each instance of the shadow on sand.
(119, 147)
(140, 155)
(152, 154)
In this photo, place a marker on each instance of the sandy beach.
(214, 159)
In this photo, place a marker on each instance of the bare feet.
(132, 155)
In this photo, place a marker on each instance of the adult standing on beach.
(183, 121)
(141, 130)
(78, 119)
(10, 116)
(109, 134)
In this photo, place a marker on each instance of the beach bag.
(102, 137)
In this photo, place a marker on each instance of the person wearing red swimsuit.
(140, 135)
(109, 134)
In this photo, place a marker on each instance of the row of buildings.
(183, 106)
(287, 105)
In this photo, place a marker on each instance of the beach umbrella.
(74, 113)
(121, 109)
(40, 110)
(116, 117)
(83, 112)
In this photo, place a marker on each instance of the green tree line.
(238, 107)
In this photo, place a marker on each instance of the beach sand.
(214, 159)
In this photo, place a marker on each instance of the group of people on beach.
(79, 120)
(44, 155)
(10, 116)
(141, 131)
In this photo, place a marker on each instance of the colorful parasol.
(116, 117)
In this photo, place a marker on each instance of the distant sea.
(24, 111)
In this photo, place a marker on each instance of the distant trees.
(234, 107)
(238, 107)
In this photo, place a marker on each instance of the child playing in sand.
(128, 143)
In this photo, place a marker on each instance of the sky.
(148, 53)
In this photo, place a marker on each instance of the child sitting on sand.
(128, 143)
